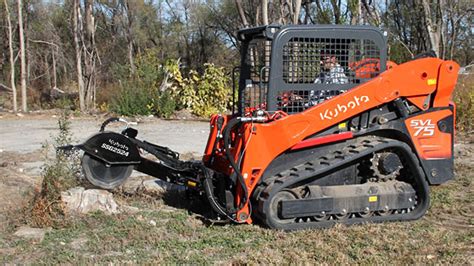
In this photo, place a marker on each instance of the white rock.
(80, 201)
(153, 187)
(129, 209)
(149, 186)
(31, 233)
(153, 223)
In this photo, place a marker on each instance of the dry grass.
(444, 235)
(464, 99)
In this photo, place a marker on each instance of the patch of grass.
(160, 234)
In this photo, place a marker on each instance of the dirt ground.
(445, 234)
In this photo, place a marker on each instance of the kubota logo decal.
(116, 147)
(423, 128)
(342, 108)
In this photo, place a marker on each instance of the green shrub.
(140, 94)
(131, 101)
(156, 88)
(164, 105)
(203, 95)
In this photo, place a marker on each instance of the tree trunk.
(89, 55)
(433, 27)
(55, 78)
(265, 12)
(356, 12)
(77, 47)
(130, 36)
(373, 15)
(238, 3)
(296, 15)
(12, 58)
(22, 58)
(307, 15)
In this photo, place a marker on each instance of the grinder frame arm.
(112, 149)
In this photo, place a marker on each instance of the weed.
(59, 174)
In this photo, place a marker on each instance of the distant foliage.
(140, 93)
(131, 100)
(161, 89)
(464, 99)
(203, 95)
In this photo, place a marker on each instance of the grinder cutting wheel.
(104, 175)
(367, 153)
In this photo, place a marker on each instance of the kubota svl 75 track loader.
(326, 131)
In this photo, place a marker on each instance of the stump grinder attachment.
(326, 130)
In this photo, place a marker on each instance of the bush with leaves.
(203, 95)
(141, 93)
(156, 88)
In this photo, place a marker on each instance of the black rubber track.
(335, 159)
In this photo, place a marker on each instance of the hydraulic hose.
(208, 187)
(226, 135)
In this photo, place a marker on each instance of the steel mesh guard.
(297, 67)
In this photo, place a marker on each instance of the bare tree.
(24, 104)
(355, 8)
(240, 8)
(129, 27)
(434, 23)
(90, 55)
(265, 12)
(77, 47)
(297, 10)
(12, 57)
(371, 12)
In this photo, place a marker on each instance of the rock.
(31, 233)
(129, 209)
(80, 201)
(132, 185)
(153, 223)
(79, 243)
(154, 187)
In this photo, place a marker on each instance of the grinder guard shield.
(112, 148)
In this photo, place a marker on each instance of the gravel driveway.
(21, 138)
(26, 134)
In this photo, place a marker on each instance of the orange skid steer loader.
(326, 130)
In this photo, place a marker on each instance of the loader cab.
(292, 68)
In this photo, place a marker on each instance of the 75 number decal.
(423, 127)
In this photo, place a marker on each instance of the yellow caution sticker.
(191, 184)
(373, 199)
(431, 81)
(342, 125)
